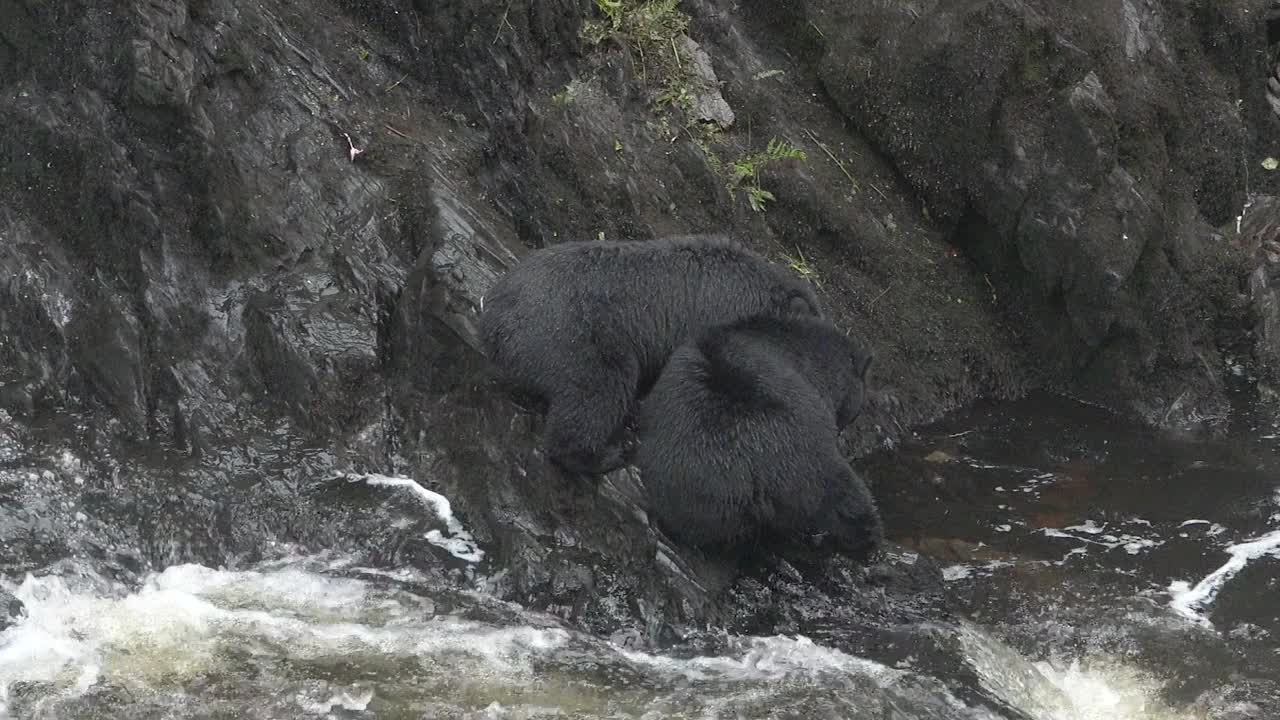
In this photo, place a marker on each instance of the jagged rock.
(11, 610)
(708, 104)
(106, 347)
(1245, 699)
(36, 287)
(1066, 168)
(1259, 229)
(163, 65)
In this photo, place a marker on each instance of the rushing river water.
(1109, 573)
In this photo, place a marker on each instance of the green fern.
(676, 95)
(783, 150)
(745, 171)
(757, 197)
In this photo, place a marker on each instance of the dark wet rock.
(894, 609)
(36, 283)
(106, 349)
(242, 247)
(11, 610)
(861, 608)
(314, 345)
(1243, 700)
(1273, 90)
(1257, 233)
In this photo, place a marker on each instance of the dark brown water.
(1083, 541)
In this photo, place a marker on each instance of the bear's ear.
(798, 304)
(862, 362)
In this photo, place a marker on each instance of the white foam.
(765, 676)
(1070, 553)
(192, 621)
(68, 462)
(1089, 527)
(1095, 534)
(1133, 547)
(1188, 601)
(767, 659)
(458, 542)
(354, 699)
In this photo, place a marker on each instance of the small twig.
(393, 85)
(882, 294)
(503, 21)
(396, 132)
(992, 287)
(834, 159)
(676, 51)
(873, 187)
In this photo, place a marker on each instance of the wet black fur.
(586, 327)
(739, 438)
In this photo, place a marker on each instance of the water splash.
(1101, 689)
(1110, 690)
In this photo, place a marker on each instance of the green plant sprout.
(800, 264)
(745, 172)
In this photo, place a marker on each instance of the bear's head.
(849, 521)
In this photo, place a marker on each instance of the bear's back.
(742, 399)
(825, 357)
(724, 446)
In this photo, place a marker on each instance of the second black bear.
(585, 327)
(738, 437)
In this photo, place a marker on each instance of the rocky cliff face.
(1082, 154)
(251, 237)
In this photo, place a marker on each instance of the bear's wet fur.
(739, 438)
(585, 327)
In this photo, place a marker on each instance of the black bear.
(585, 327)
(738, 437)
